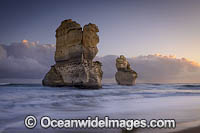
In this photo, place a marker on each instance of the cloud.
(157, 68)
(31, 60)
(25, 60)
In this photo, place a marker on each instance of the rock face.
(75, 51)
(124, 75)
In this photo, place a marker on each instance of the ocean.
(142, 101)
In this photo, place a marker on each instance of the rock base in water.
(125, 78)
(72, 74)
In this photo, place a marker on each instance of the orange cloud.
(24, 41)
(174, 57)
(191, 62)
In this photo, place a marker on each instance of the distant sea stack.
(124, 75)
(76, 48)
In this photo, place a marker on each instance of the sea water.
(142, 101)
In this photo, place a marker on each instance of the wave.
(4, 84)
(188, 87)
(18, 84)
(191, 86)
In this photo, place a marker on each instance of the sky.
(129, 27)
(159, 37)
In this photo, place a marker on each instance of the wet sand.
(190, 130)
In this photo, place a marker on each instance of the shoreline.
(188, 127)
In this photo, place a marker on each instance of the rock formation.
(124, 75)
(75, 51)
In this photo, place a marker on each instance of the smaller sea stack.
(124, 75)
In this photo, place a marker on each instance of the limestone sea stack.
(76, 48)
(124, 75)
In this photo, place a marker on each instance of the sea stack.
(76, 48)
(124, 75)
